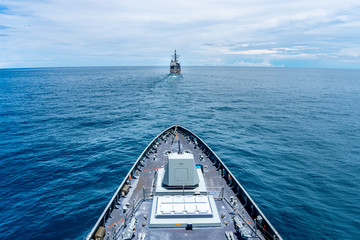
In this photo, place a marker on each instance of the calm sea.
(69, 135)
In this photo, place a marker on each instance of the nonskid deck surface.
(141, 196)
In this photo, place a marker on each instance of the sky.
(277, 33)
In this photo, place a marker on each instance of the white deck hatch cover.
(180, 210)
(183, 206)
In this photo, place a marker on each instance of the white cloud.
(297, 56)
(4, 65)
(350, 52)
(146, 31)
(253, 52)
(254, 64)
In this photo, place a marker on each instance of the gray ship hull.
(217, 207)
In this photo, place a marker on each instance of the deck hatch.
(167, 211)
(183, 207)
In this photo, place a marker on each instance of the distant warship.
(175, 67)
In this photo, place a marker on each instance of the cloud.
(4, 65)
(253, 52)
(3, 9)
(254, 64)
(277, 53)
(350, 52)
(142, 32)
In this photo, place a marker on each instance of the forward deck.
(217, 208)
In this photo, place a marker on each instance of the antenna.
(177, 136)
(175, 56)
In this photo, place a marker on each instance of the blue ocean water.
(69, 135)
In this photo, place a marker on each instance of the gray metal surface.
(180, 170)
(231, 200)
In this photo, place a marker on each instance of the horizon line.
(160, 66)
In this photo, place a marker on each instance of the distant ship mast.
(175, 57)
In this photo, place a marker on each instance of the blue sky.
(277, 33)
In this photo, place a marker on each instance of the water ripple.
(69, 135)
